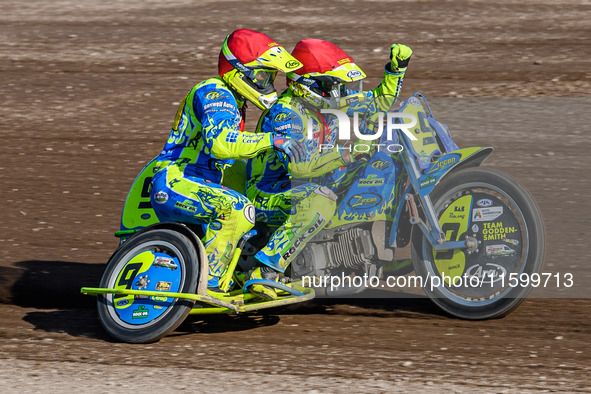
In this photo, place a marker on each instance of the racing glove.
(284, 143)
(362, 150)
(399, 57)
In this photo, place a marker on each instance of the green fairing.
(138, 203)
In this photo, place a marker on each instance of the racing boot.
(216, 271)
(222, 276)
(263, 291)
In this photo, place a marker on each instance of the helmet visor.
(334, 87)
(327, 86)
(351, 88)
(262, 78)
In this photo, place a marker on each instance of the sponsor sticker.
(489, 273)
(486, 214)
(161, 197)
(163, 286)
(219, 105)
(496, 231)
(511, 241)
(485, 202)
(499, 250)
(371, 180)
(214, 95)
(354, 74)
(380, 165)
(185, 207)
(320, 221)
(292, 64)
(443, 162)
(123, 302)
(367, 200)
(252, 140)
(140, 313)
(165, 262)
(281, 117)
(428, 181)
(352, 100)
(232, 137)
(458, 212)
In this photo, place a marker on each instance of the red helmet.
(249, 61)
(326, 70)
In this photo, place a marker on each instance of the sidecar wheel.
(157, 260)
(501, 216)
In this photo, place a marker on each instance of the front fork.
(431, 228)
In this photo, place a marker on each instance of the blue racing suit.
(289, 194)
(299, 206)
(207, 136)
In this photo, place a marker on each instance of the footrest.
(187, 296)
(272, 284)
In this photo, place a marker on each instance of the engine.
(349, 250)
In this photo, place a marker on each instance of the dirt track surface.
(88, 92)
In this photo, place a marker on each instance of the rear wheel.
(158, 260)
(494, 276)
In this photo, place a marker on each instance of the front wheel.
(494, 276)
(159, 260)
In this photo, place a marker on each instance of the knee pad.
(249, 213)
(326, 192)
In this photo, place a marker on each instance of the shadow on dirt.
(373, 304)
(48, 284)
(226, 323)
(56, 285)
(80, 322)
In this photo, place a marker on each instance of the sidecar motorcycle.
(471, 230)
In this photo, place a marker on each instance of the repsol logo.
(304, 236)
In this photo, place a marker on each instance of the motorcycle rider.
(298, 205)
(208, 135)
